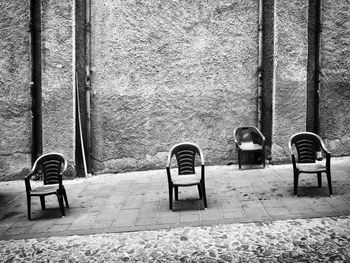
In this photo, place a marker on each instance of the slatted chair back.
(185, 154)
(52, 166)
(307, 146)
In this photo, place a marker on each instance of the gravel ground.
(301, 240)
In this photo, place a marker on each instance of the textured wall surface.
(57, 78)
(15, 100)
(335, 82)
(167, 72)
(290, 87)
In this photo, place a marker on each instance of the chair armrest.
(328, 159)
(27, 181)
(202, 161)
(168, 174)
(261, 135)
(201, 155)
(28, 176)
(324, 148)
(294, 161)
(168, 162)
(202, 171)
(290, 147)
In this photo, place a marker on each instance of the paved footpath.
(252, 216)
(300, 240)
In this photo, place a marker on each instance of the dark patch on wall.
(312, 67)
(35, 13)
(268, 68)
(80, 41)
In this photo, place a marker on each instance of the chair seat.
(44, 190)
(311, 167)
(250, 146)
(188, 179)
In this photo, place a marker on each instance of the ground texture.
(301, 240)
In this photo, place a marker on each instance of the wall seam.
(74, 78)
(275, 17)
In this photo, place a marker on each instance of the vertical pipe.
(317, 65)
(35, 83)
(260, 57)
(79, 125)
(88, 82)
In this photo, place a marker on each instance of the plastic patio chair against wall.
(308, 153)
(249, 139)
(185, 154)
(51, 167)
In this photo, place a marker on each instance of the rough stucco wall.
(335, 82)
(58, 118)
(167, 72)
(15, 100)
(290, 88)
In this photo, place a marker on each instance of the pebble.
(300, 240)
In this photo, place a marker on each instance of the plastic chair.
(185, 154)
(249, 139)
(310, 151)
(51, 166)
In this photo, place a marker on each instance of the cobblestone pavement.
(300, 240)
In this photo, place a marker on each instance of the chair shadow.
(48, 213)
(313, 191)
(252, 166)
(188, 205)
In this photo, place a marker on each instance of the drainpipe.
(88, 82)
(260, 57)
(317, 65)
(35, 83)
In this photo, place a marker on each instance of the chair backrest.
(52, 166)
(248, 134)
(185, 154)
(307, 145)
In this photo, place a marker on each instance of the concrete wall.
(290, 74)
(58, 95)
(335, 82)
(15, 100)
(167, 73)
(171, 72)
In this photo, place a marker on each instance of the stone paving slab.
(139, 201)
(300, 240)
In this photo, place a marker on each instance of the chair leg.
(176, 193)
(42, 202)
(204, 194)
(319, 179)
(170, 197)
(65, 197)
(200, 191)
(29, 206)
(60, 202)
(263, 157)
(329, 179)
(239, 160)
(296, 178)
